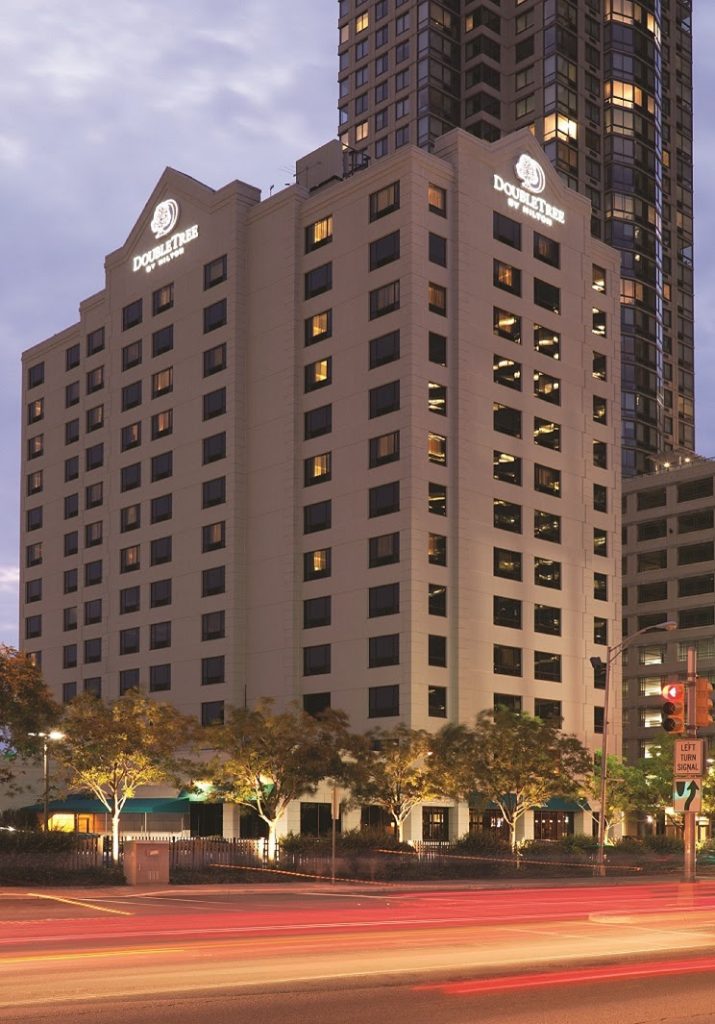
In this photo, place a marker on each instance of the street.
(443, 955)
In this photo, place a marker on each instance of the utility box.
(146, 863)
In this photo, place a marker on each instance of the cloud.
(9, 578)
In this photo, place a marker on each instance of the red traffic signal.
(672, 713)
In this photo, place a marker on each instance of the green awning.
(134, 805)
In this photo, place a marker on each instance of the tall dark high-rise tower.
(606, 87)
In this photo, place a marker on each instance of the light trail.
(81, 903)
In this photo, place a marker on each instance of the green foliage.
(663, 844)
(482, 844)
(25, 707)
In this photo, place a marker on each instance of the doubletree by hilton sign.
(163, 223)
(527, 196)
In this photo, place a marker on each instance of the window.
(384, 499)
(316, 660)
(598, 322)
(162, 341)
(36, 375)
(437, 650)
(130, 477)
(213, 492)
(384, 399)
(159, 635)
(131, 436)
(692, 489)
(160, 679)
(547, 250)
(318, 280)
(600, 410)
(95, 418)
(507, 564)
(318, 374)
(317, 564)
(437, 200)
(71, 543)
(213, 625)
(33, 554)
(317, 517)
(70, 581)
(213, 537)
(72, 394)
(215, 316)
(212, 713)
(600, 498)
(35, 410)
(548, 296)
(129, 640)
(507, 325)
(384, 250)
(383, 701)
(507, 468)
(385, 201)
(93, 534)
(131, 395)
(384, 300)
(316, 612)
(69, 692)
(161, 508)
(547, 619)
(316, 422)
(384, 650)
(547, 388)
(384, 600)
(33, 626)
(213, 670)
(436, 599)
(507, 372)
(160, 593)
(94, 457)
(600, 630)
(131, 355)
(72, 357)
(507, 277)
(129, 559)
(437, 398)
(318, 327)
(214, 359)
(215, 272)
(130, 518)
(35, 480)
(92, 612)
(93, 650)
(319, 233)
(383, 449)
(162, 382)
(600, 542)
(437, 249)
(547, 342)
(547, 434)
(317, 469)
(599, 366)
(507, 660)
(160, 550)
(162, 424)
(506, 420)
(71, 506)
(128, 680)
(33, 591)
(437, 448)
(600, 454)
(547, 480)
(437, 349)
(384, 550)
(547, 526)
(506, 230)
(437, 298)
(132, 315)
(213, 448)
(36, 444)
(507, 612)
(69, 656)
(162, 299)
(547, 666)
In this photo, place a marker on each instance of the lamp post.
(611, 654)
(46, 737)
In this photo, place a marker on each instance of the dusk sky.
(99, 96)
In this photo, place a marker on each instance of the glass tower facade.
(606, 88)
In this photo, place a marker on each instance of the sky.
(99, 96)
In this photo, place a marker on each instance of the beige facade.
(403, 410)
(668, 575)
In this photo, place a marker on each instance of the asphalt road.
(577, 954)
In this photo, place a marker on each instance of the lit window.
(319, 233)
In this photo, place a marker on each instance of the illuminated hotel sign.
(527, 196)
(163, 222)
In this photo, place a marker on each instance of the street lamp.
(46, 738)
(611, 654)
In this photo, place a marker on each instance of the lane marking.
(81, 903)
(40, 958)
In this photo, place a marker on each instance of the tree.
(391, 768)
(26, 707)
(111, 749)
(513, 760)
(626, 791)
(266, 759)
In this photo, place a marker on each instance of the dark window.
(215, 272)
(69, 656)
(600, 630)
(131, 476)
(160, 593)
(94, 457)
(507, 516)
(69, 581)
(93, 650)
(506, 230)
(214, 448)
(131, 355)
(95, 341)
(316, 704)
(547, 666)
(35, 445)
(71, 505)
(36, 375)
(384, 399)
(128, 680)
(506, 468)
(162, 341)
(214, 403)
(599, 367)
(437, 701)
(600, 454)
(213, 581)
(547, 250)
(318, 374)
(384, 349)
(159, 635)
(436, 599)
(383, 701)
(160, 679)
(384, 550)
(654, 498)
(692, 489)
(547, 526)
(131, 436)
(507, 564)
(317, 564)
(71, 543)
(213, 625)
(161, 508)
(437, 349)
(131, 395)
(384, 600)
(213, 670)
(215, 315)
(691, 553)
(548, 710)
(600, 498)
(384, 499)
(547, 619)
(93, 534)
(318, 327)
(506, 419)
(213, 537)
(384, 250)
(507, 612)
(548, 296)
(691, 522)
(507, 660)
(384, 650)
(129, 640)
(72, 394)
(385, 201)
(215, 359)
(132, 315)
(383, 449)
(160, 550)
(547, 573)
(35, 480)
(600, 586)
(317, 517)
(507, 702)
(212, 713)
(316, 660)
(437, 249)
(318, 280)
(162, 299)
(33, 591)
(72, 357)
(213, 492)
(317, 422)
(547, 480)
(437, 650)
(316, 612)
(547, 434)
(384, 300)
(652, 529)
(69, 692)
(130, 518)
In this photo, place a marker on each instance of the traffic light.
(672, 713)
(703, 701)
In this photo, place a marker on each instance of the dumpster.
(146, 863)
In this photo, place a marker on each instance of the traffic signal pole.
(691, 731)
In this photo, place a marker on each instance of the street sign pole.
(691, 732)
